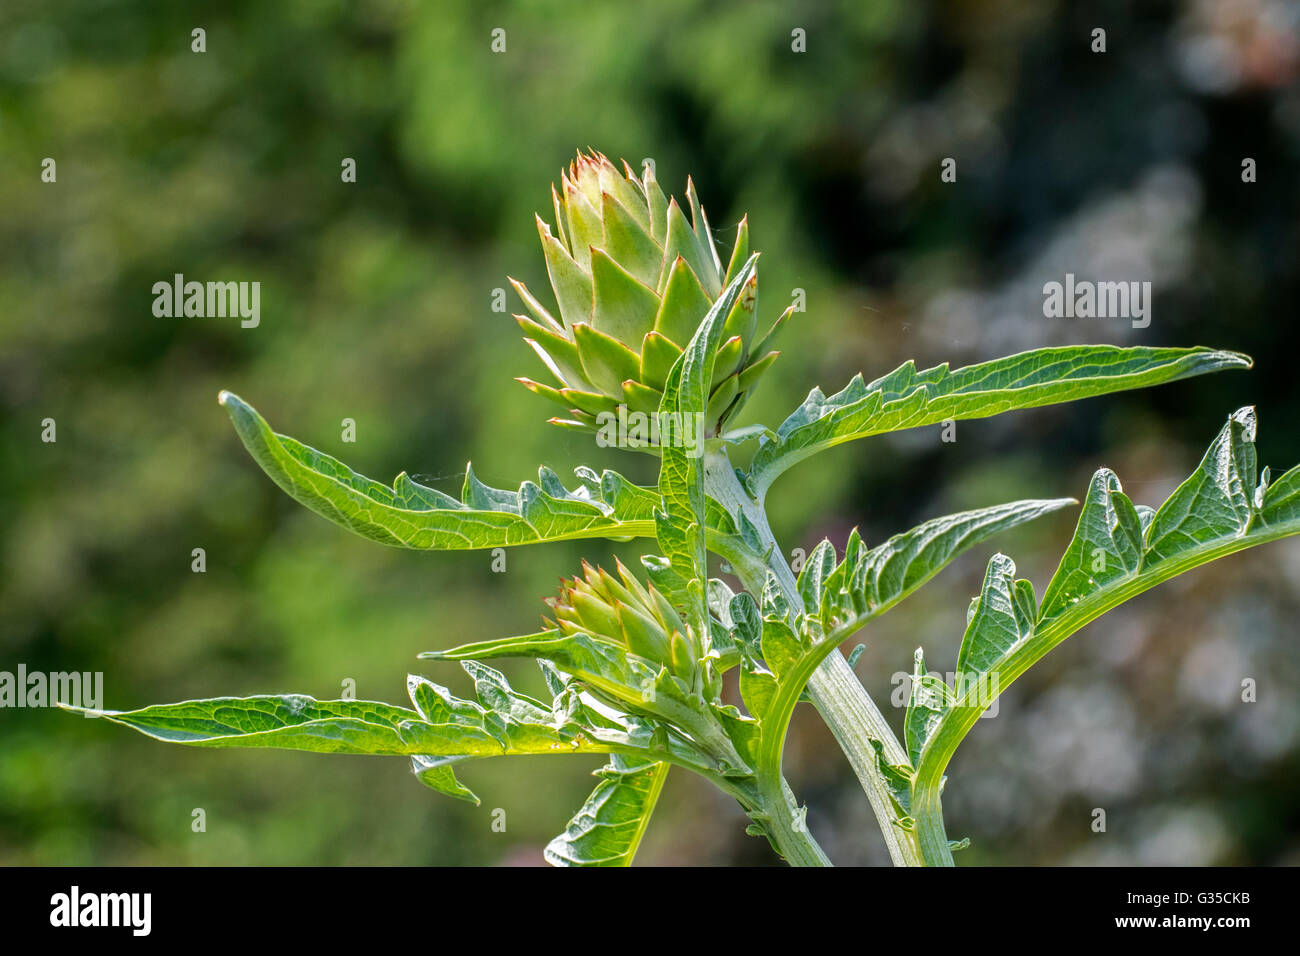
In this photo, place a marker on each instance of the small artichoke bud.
(623, 610)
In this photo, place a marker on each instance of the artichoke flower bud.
(633, 280)
(622, 610)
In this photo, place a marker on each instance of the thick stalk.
(835, 690)
(775, 809)
(789, 831)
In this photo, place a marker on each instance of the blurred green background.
(376, 307)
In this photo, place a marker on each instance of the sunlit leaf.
(411, 515)
(906, 398)
(1118, 551)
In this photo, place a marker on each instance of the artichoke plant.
(635, 671)
(632, 281)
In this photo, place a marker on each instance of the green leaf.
(436, 774)
(817, 568)
(869, 581)
(615, 675)
(287, 722)
(758, 688)
(782, 647)
(1118, 551)
(843, 597)
(906, 398)
(607, 831)
(1218, 500)
(681, 522)
(1107, 545)
(604, 665)
(411, 515)
(925, 707)
(746, 625)
(1001, 617)
(442, 730)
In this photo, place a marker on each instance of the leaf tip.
(84, 711)
(1240, 359)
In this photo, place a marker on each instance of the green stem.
(931, 837)
(789, 830)
(775, 810)
(835, 690)
(854, 721)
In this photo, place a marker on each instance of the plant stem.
(854, 720)
(789, 830)
(931, 837)
(835, 690)
(775, 809)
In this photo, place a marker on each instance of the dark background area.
(376, 306)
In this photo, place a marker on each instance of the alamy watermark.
(133, 911)
(1084, 299)
(970, 689)
(23, 688)
(212, 300)
(626, 429)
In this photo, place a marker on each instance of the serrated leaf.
(1000, 618)
(906, 398)
(757, 690)
(1215, 512)
(503, 722)
(773, 603)
(897, 778)
(607, 830)
(747, 625)
(289, 722)
(411, 515)
(781, 647)
(1217, 501)
(869, 581)
(865, 584)
(743, 731)
(1106, 546)
(607, 669)
(438, 775)
(603, 664)
(1281, 499)
(817, 568)
(928, 703)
